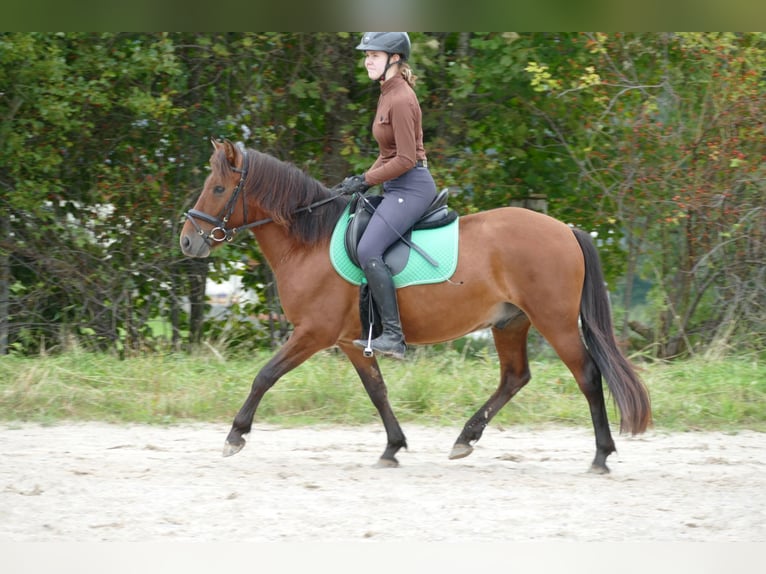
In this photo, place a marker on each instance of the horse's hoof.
(595, 469)
(230, 449)
(460, 450)
(386, 463)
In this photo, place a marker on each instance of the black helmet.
(389, 42)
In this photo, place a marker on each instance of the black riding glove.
(354, 184)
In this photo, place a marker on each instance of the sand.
(89, 482)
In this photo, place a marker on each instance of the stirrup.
(367, 351)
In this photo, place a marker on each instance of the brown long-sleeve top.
(398, 129)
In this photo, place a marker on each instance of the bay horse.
(516, 268)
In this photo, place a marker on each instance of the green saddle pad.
(440, 244)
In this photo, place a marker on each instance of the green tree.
(83, 165)
(670, 152)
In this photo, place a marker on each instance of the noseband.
(220, 231)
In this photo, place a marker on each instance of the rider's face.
(375, 62)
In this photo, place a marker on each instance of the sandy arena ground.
(98, 482)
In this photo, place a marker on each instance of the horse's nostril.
(185, 242)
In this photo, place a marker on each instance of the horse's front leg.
(372, 379)
(293, 353)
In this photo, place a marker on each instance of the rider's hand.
(354, 184)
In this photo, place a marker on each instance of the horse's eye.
(219, 189)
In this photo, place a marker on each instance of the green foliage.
(671, 152)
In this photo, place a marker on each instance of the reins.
(223, 233)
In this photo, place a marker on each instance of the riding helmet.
(389, 42)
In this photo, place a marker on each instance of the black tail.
(629, 392)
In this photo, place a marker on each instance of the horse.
(516, 269)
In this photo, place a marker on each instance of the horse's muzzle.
(194, 245)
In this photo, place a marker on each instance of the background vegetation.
(654, 141)
(438, 387)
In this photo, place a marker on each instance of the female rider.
(401, 166)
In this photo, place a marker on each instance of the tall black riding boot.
(383, 291)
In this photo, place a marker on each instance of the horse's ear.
(232, 152)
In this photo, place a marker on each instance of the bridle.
(220, 231)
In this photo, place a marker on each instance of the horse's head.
(274, 191)
(220, 208)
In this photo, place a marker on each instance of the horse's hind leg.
(592, 388)
(575, 356)
(372, 379)
(511, 344)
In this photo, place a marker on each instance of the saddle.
(361, 209)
